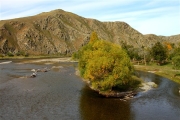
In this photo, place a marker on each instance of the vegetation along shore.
(166, 71)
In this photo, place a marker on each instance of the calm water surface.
(61, 95)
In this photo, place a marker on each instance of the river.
(61, 95)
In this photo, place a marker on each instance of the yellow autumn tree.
(94, 36)
(106, 66)
(168, 45)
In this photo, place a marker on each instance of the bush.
(10, 54)
(176, 62)
(1, 55)
(20, 53)
(105, 65)
(26, 55)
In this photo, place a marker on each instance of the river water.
(61, 95)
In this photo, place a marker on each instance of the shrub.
(1, 55)
(176, 62)
(10, 54)
(20, 53)
(26, 55)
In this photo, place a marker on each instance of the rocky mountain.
(61, 32)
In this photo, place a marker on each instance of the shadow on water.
(95, 107)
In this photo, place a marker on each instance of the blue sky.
(160, 17)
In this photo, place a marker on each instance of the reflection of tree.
(95, 107)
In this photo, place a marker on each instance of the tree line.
(161, 53)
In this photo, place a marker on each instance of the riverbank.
(50, 60)
(30, 57)
(38, 60)
(166, 71)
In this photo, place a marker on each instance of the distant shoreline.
(39, 60)
(30, 57)
(165, 71)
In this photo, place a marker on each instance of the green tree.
(176, 51)
(176, 62)
(176, 57)
(106, 66)
(130, 50)
(159, 52)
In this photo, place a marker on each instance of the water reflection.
(95, 107)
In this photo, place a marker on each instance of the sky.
(160, 17)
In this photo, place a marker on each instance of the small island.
(107, 68)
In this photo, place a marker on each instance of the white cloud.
(18, 8)
(134, 14)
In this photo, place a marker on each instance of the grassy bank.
(165, 71)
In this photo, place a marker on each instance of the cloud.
(17, 8)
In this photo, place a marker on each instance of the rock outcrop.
(61, 32)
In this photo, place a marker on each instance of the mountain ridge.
(61, 32)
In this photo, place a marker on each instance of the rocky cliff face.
(60, 32)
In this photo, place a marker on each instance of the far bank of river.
(32, 57)
(164, 71)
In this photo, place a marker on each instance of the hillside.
(61, 32)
